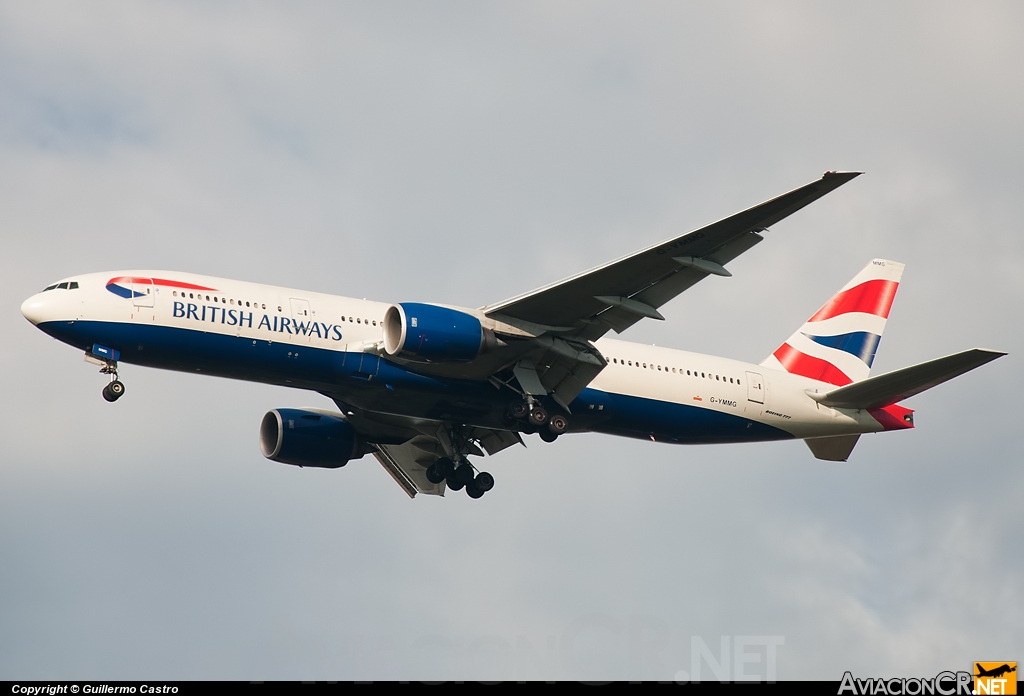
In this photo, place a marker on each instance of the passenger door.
(755, 388)
(302, 315)
(142, 292)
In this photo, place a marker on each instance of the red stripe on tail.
(893, 417)
(798, 363)
(870, 297)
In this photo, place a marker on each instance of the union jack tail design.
(837, 345)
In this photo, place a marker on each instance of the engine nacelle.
(434, 334)
(308, 438)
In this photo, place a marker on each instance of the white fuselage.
(300, 331)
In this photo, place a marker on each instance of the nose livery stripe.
(118, 285)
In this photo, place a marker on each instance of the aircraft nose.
(36, 309)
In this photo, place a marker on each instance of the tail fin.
(837, 345)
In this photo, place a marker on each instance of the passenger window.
(374, 322)
(231, 302)
(359, 321)
(716, 378)
(730, 380)
(264, 306)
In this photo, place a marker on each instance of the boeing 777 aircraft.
(423, 387)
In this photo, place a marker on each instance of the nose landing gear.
(108, 365)
(113, 391)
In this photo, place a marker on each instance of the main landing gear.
(534, 418)
(459, 476)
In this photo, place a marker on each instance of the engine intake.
(308, 438)
(430, 333)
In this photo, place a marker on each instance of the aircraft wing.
(407, 465)
(405, 447)
(621, 293)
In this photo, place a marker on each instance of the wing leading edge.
(621, 293)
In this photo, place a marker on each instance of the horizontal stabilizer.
(893, 387)
(833, 449)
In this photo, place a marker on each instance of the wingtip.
(845, 175)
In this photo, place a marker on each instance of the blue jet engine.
(429, 333)
(308, 438)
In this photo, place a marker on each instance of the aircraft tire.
(484, 481)
(464, 474)
(432, 475)
(558, 424)
(538, 417)
(107, 395)
(116, 389)
(518, 410)
(444, 467)
(454, 484)
(474, 491)
(547, 436)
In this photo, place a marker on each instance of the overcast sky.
(463, 153)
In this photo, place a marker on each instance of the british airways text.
(236, 317)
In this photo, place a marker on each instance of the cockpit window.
(68, 285)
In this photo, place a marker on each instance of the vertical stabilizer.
(838, 344)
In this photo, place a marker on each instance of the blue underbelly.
(370, 382)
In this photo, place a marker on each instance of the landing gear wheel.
(444, 468)
(547, 436)
(518, 409)
(558, 424)
(432, 474)
(464, 474)
(454, 484)
(474, 491)
(113, 391)
(484, 481)
(538, 416)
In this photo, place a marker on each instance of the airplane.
(995, 672)
(423, 387)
